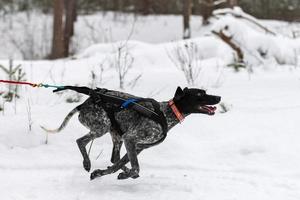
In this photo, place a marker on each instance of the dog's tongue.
(209, 109)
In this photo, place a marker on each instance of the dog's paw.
(97, 173)
(131, 174)
(123, 175)
(87, 165)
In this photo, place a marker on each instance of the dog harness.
(113, 104)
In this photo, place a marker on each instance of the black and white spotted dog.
(139, 132)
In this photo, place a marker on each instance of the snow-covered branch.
(239, 13)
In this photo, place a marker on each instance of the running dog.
(137, 131)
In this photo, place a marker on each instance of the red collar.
(175, 110)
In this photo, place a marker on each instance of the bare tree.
(207, 9)
(122, 62)
(187, 58)
(58, 48)
(62, 33)
(187, 10)
(69, 23)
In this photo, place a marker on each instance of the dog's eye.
(199, 94)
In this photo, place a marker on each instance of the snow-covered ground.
(250, 152)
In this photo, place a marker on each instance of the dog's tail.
(64, 123)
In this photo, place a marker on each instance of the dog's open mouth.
(210, 110)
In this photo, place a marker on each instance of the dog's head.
(192, 100)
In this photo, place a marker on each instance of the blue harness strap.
(128, 102)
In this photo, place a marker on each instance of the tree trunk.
(75, 11)
(232, 3)
(58, 47)
(207, 9)
(145, 7)
(69, 24)
(118, 5)
(187, 10)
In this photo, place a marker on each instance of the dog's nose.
(218, 99)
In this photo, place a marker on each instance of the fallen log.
(228, 40)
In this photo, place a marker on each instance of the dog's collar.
(175, 110)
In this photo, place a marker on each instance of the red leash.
(19, 82)
(32, 84)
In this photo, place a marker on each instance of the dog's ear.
(179, 93)
(185, 89)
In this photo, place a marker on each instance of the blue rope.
(53, 86)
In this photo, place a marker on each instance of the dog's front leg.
(130, 145)
(117, 144)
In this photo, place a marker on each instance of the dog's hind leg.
(117, 144)
(82, 142)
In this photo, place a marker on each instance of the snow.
(29, 34)
(252, 41)
(249, 152)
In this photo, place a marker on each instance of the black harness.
(112, 104)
